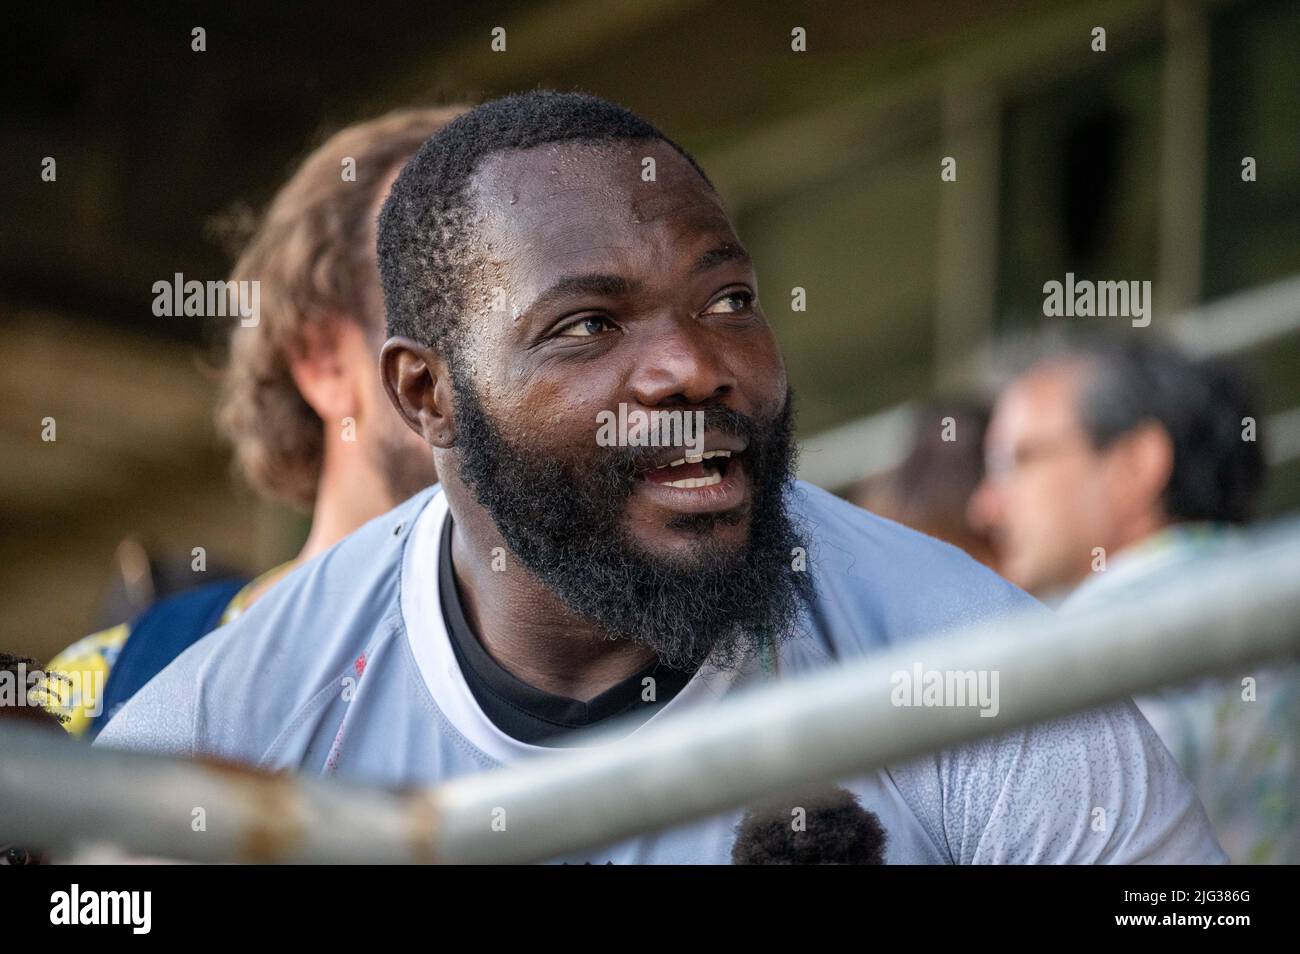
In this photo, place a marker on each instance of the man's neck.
(349, 494)
(1131, 536)
(1138, 532)
(526, 629)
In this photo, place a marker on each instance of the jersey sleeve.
(1097, 787)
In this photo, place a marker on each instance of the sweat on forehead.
(547, 187)
(565, 212)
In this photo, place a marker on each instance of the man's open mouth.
(692, 471)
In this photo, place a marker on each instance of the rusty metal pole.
(1218, 614)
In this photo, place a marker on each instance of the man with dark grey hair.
(1105, 444)
(1112, 464)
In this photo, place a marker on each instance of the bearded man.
(546, 258)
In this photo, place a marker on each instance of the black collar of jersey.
(524, 712)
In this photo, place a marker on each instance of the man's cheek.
(774, 391)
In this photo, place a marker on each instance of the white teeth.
(696, 458)
(689, 483)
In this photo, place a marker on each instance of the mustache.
(624, 463)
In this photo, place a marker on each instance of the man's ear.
(418, 383)
(320, 370)
(1148, 462)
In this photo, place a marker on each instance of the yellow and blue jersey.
(88, 662)
(106, 668)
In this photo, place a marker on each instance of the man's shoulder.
(879, 582)
(358, 576)
(334, 601)
(1088, 788)
(853, 540)
(161, 633)
(291, 650)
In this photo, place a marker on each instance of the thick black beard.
(563, 520)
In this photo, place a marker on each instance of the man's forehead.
(572, 207)
(561, 185)
(1045, 399)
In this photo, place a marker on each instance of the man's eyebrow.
(596, 284)
(727, 252)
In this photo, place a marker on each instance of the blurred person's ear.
(324, 371)
(1141, 463)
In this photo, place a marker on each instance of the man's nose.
(681, 366)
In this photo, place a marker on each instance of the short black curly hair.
(426, 248)
(836, 830)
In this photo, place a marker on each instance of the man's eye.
(731, 303)
(585, 327)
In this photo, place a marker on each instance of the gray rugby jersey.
(267, 689)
